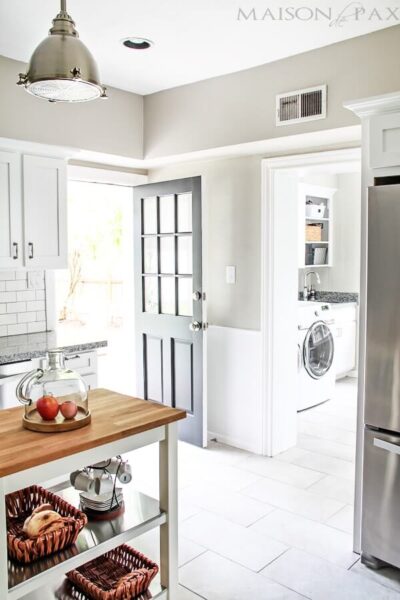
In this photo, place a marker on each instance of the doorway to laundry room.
(310, 318)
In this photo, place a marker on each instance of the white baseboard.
(242, 444)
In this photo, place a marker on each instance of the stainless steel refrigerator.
(380, 535)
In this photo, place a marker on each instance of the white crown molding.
(374, 105)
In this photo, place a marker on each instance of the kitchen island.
(119, 424)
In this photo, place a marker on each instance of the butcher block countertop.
(114, 417)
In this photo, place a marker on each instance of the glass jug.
(54, 397)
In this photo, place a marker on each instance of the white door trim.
(269, 305)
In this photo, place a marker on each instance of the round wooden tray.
(59, 424)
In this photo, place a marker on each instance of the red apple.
(47, 407)
(69, 409)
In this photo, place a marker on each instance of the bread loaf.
(42, 520)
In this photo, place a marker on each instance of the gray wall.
(240, 107)
(232, 194)
(113, 127)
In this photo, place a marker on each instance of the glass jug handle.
(23, 384)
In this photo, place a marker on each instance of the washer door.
(318, 350)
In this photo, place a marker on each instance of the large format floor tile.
(316, 538)
(336, 488)
(231, 505)
(185, 594)
(329, 465)
(343, 520)
(288, 497)
(335, 449)
(281, 471)
(216, 578)
(242, 545)
(319, 580)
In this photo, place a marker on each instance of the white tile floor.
(276, 529)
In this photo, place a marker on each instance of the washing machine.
(316, 354)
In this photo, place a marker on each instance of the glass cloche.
(55, 398)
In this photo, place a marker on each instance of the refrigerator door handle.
(394, 448)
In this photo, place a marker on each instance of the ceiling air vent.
(302, 105)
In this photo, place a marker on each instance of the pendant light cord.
(63, 5)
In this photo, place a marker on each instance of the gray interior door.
(169, 298)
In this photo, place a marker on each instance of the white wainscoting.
(234, 387)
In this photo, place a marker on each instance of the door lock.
(195, 326)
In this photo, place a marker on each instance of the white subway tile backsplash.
(22, 302)
(16, 307)
(36, 305)
(30, 317)
(26, 295)
(8, 319)
(17, 329)
(15, 286)
(39, 326)
(7, 275)
(8, 296)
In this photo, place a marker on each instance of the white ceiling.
(195, 39)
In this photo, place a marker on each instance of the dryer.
(316, 348)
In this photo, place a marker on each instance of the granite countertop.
(334, 297)
(16, 348)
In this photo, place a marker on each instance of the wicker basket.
(68, 591)
(117, 575)
(314, 233)
(19, 506)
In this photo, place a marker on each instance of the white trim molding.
(276, 423)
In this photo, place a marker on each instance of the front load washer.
(316, 347)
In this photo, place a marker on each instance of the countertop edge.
(21, 356)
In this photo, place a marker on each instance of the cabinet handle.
(15, 246)
(30, 246)
(388, 446)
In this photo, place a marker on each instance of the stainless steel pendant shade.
(62, 69)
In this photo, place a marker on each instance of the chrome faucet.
(306, 289)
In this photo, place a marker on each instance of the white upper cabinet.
(11, 249)
(384, 133)
(45, 218)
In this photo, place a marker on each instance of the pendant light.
(61, 68)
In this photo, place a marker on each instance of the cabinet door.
(345, 351)
(10, 211)
(45, 212)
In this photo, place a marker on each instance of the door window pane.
(167, 254)
(149, 215)
(184, 213)
(168, 295)
(151, 295)
(167, 214)
(150, 255)
(185, 259)
(185, 301)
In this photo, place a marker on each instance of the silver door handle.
(30, 246)
(394, 448)
(195, 326)
(196, 296)
(15, 246)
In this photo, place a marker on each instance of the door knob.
(195, 326)
(196, 296)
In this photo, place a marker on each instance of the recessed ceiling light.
(137, 43)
